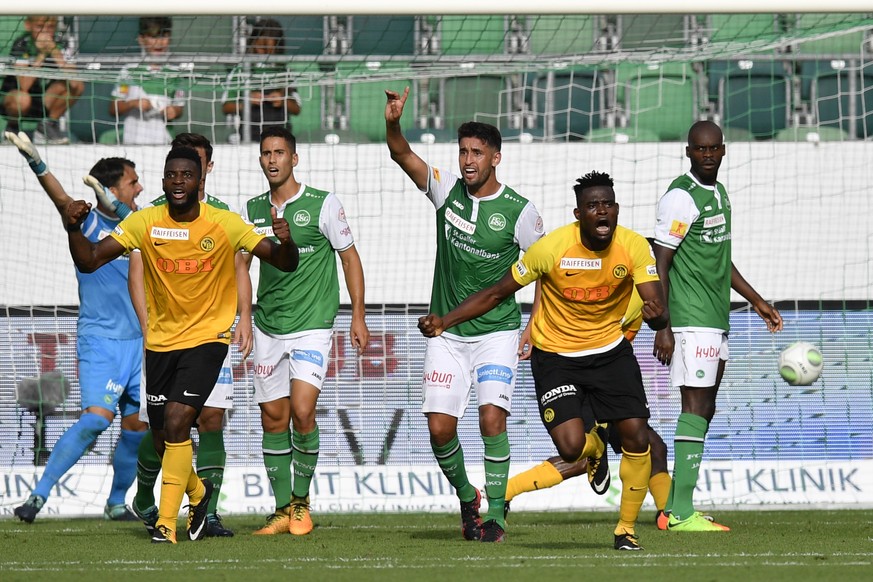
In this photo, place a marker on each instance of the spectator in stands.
(151, 93)
(28, 96)
(269, 105)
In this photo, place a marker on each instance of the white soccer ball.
(800, 364)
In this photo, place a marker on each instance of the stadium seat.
(561, 35)
(479, 98)
(11, 27)
(202, 34)
(842, 44)
(472, 35)
(383, 35)
(108, 34)
(304, 35)
(111, 136)
(813, 134)
(569, 103)
(364, 101)
(755, 96)
(741, 28)
(642, 31)
(89, 116)
(622, 135)
(659, 99)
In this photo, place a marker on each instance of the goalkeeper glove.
(107, 198)
(28, 150)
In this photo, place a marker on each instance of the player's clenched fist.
(281, 230)
(430, 325)
(74, 213)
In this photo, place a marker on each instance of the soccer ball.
(800, 364)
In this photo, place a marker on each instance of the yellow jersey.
(188, 268)
(585, 294)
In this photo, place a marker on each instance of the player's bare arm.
(767, 312)
(477, 304)
(242, 334)
(664, 341)
(401, 153)
(87, 256)
(353, 271)
(285, 256)
(525, 348)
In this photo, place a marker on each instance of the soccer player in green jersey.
(482, 226)
(693, 252)
(211, 453)
(294, 325)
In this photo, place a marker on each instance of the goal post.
(571, 92)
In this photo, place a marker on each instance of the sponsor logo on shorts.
(156, 399)
(439, 379)
(700, 373)
(264, 370)
(707, 353)
(559, 392)
(548, 415)
(494, 373)
(225, 377)
(310, 356)
(114, 387)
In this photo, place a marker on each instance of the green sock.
(277, 460)
(305, 458)
(496, 475)
(148, 466)
(450, 458)
(688, 453)
(210, 463)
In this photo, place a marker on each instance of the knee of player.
(570, 447)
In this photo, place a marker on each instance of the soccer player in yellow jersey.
(588, 269)
(188, 252)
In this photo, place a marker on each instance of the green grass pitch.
(763, 545)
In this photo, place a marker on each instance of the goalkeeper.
(108, 339)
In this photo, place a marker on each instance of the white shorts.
(220, 397)
(300, 356)
(452, 367)
(696, 357)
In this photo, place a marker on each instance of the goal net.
(570, 93)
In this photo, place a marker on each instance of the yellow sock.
(542, 476)
(176, 468)
(634, 472)
(594, 447)
(195, 490)
(659, 487)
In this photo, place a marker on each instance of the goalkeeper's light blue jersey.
(105, 308)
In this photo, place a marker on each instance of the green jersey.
(308, 298)
(695, 220)
(478, 240)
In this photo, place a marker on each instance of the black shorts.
(187, 376)
(609, 384)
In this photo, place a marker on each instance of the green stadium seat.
(561, 35)
(843, 44)
(569, 103)
(755, 96)
(383, 35)
(365, 100)
(865, 105)
(813, 134)
(108, 34)
(11, 27)
(476, 98)
(304, 35)
(645, 31)
(660, 99)
(89, 116)
(621, 135)
(472, 35)
(829, 94)
(202, 34)
(741, 28)
(311, 111)
(111, 137)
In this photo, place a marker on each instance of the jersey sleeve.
(333, 225)
(439, 184)
(244, 234)
(675, 215)
(644, 260)
(130, 231)
(536, 262)
(529, 227)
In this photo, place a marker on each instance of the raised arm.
(477, 304)
(408, 160)
(353, 271)
(285, 256)
(47, 180)
(767, 312)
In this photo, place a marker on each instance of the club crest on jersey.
(497, 222)
(619, 271)
(169, 233)
(207, 244)
(302, 218)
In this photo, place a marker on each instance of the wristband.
(39, 168)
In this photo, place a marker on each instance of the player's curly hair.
(186, 153)
(592, 178)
